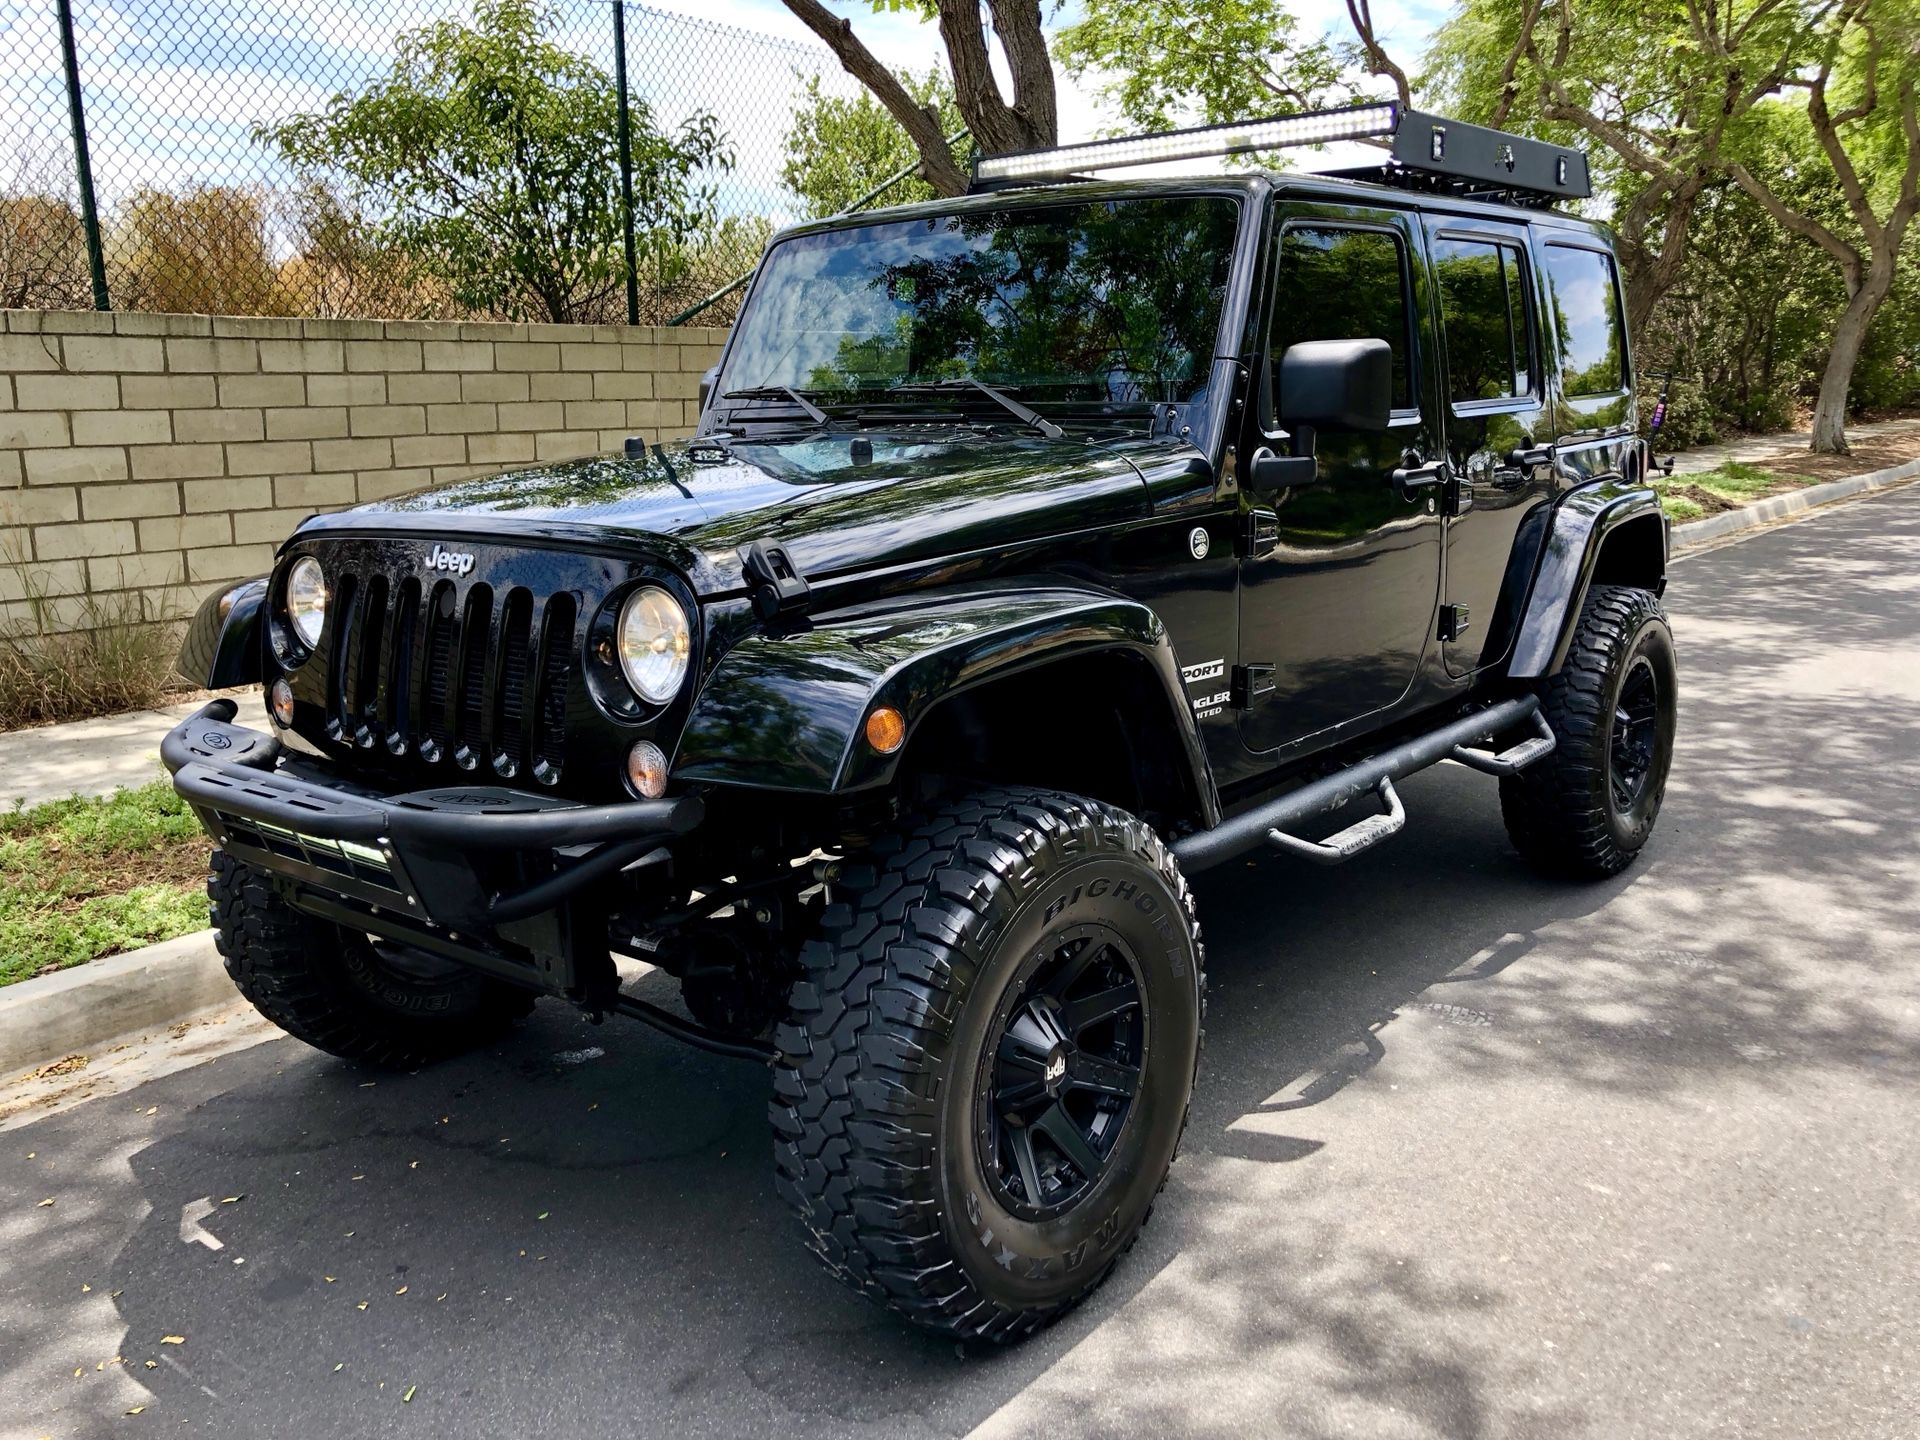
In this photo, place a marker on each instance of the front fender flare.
(786, 711)
(225, 643)
(1581, 524)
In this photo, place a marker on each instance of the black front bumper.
(468, 858)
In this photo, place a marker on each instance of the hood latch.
(775, 582)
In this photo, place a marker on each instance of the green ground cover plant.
(86, 877)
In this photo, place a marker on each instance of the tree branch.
(1360, 12)
(1017, 23)
(937, 162)
(1802, 225)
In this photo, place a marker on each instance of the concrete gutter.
(102, 1002)
(1778, 507)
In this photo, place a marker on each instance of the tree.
(1675, 93)
(1875, 156)
(489, 155)
(1029, 121)
(1224, 59)
(204, 251)
(839, 149)
(1633, 75)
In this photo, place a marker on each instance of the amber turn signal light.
(886, 729)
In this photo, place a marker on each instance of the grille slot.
(550, 711)
(439, 678)
(470, 734)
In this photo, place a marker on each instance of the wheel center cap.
(1056, 1070)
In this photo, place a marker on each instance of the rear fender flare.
(1596, 530)
(787, 711)
(225, 643)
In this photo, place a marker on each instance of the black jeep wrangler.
(1036, 550)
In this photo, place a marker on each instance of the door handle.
(1530, 457)
(1409, 478)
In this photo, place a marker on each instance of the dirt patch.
(1878, 453)
(1709, 503)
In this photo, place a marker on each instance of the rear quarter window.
(1586, 321)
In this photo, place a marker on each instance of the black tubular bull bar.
(411, 854)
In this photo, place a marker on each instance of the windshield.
(1113, 302)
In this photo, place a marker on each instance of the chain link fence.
(568, 160)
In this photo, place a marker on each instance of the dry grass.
(120, 661)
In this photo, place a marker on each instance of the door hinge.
(1453, 622)
(1251, 684)
(1260, 534)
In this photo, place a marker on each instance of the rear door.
(1499, 462)
(1338, 588)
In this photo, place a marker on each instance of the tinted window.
(1339, 284)
(1117, 301)
(1586, 317)
(1483, 312)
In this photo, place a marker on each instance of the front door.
(1340, 583)
(1499, 463)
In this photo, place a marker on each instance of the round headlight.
(307, 600)
(655, 643)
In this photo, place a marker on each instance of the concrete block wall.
(146, 458)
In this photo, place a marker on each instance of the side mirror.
(706, 385)
(1336, 385)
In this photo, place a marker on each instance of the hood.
(932, 493)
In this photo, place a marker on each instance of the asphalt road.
(1472, 1155)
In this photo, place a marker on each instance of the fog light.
(647, 769)
(280, 702)
(886, 729)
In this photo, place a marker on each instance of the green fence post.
(82, 164)
(625, 134)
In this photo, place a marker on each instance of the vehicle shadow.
(576, 1231)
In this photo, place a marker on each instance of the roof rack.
(1428, 152)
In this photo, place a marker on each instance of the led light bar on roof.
(1236, 138)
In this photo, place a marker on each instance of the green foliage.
(1223, 60)
(489, 155)
(81, 878)
(837, 150)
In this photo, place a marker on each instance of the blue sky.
(174, 87)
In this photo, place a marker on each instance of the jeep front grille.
(471, 677)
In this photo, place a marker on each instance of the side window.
(1586, 319)
(1338, 283)
(1483, 314)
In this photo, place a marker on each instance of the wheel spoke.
(1106, 1077)
(1064, 979)
(1058, 1126)
(1077, 1015)
(1020, 1141)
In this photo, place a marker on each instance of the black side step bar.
(1376, 774)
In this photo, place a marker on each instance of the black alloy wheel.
(1635, 738)
(1060, 1072)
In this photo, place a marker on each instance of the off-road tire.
(327, 986)
(1561, 812)
(880, 1056)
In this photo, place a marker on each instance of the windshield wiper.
(1005, 401)
(780, 392)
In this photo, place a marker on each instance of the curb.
(104, 1001)
(1777, 507)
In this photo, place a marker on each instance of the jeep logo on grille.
(454, 562)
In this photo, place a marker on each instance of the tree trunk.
(1830, 411)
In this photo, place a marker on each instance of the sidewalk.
(96, 757)
(1765, 447)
